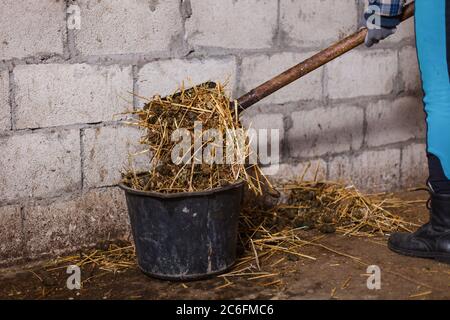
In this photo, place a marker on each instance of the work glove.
(381, 20)
(376, 35)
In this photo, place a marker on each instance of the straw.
(209, 105)
(338, 207)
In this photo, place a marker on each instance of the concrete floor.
(333, 275)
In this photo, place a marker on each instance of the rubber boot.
(432, 240)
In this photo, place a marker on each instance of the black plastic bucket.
(185, 236)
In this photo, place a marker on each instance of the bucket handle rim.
(161, 195)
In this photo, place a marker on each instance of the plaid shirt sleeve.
(389, 8)
(389, 11)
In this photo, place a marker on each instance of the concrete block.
(127, 26)
(362, 73)
(369, 171)
(232, 24)
(65, 226)
(395, 121)
(106, 151)
(39, 165)
(54, 94)
(313, 23)
(325, 131)
(164, 77)
(29, 28)
(258, 69)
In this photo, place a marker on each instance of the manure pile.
(166, 120)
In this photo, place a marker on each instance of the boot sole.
(439, 256)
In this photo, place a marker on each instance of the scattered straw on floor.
(337, 207)
(112, 257)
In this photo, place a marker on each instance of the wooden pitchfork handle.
(311, 64)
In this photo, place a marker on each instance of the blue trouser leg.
(432, 27)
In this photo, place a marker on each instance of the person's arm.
(382, 18)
